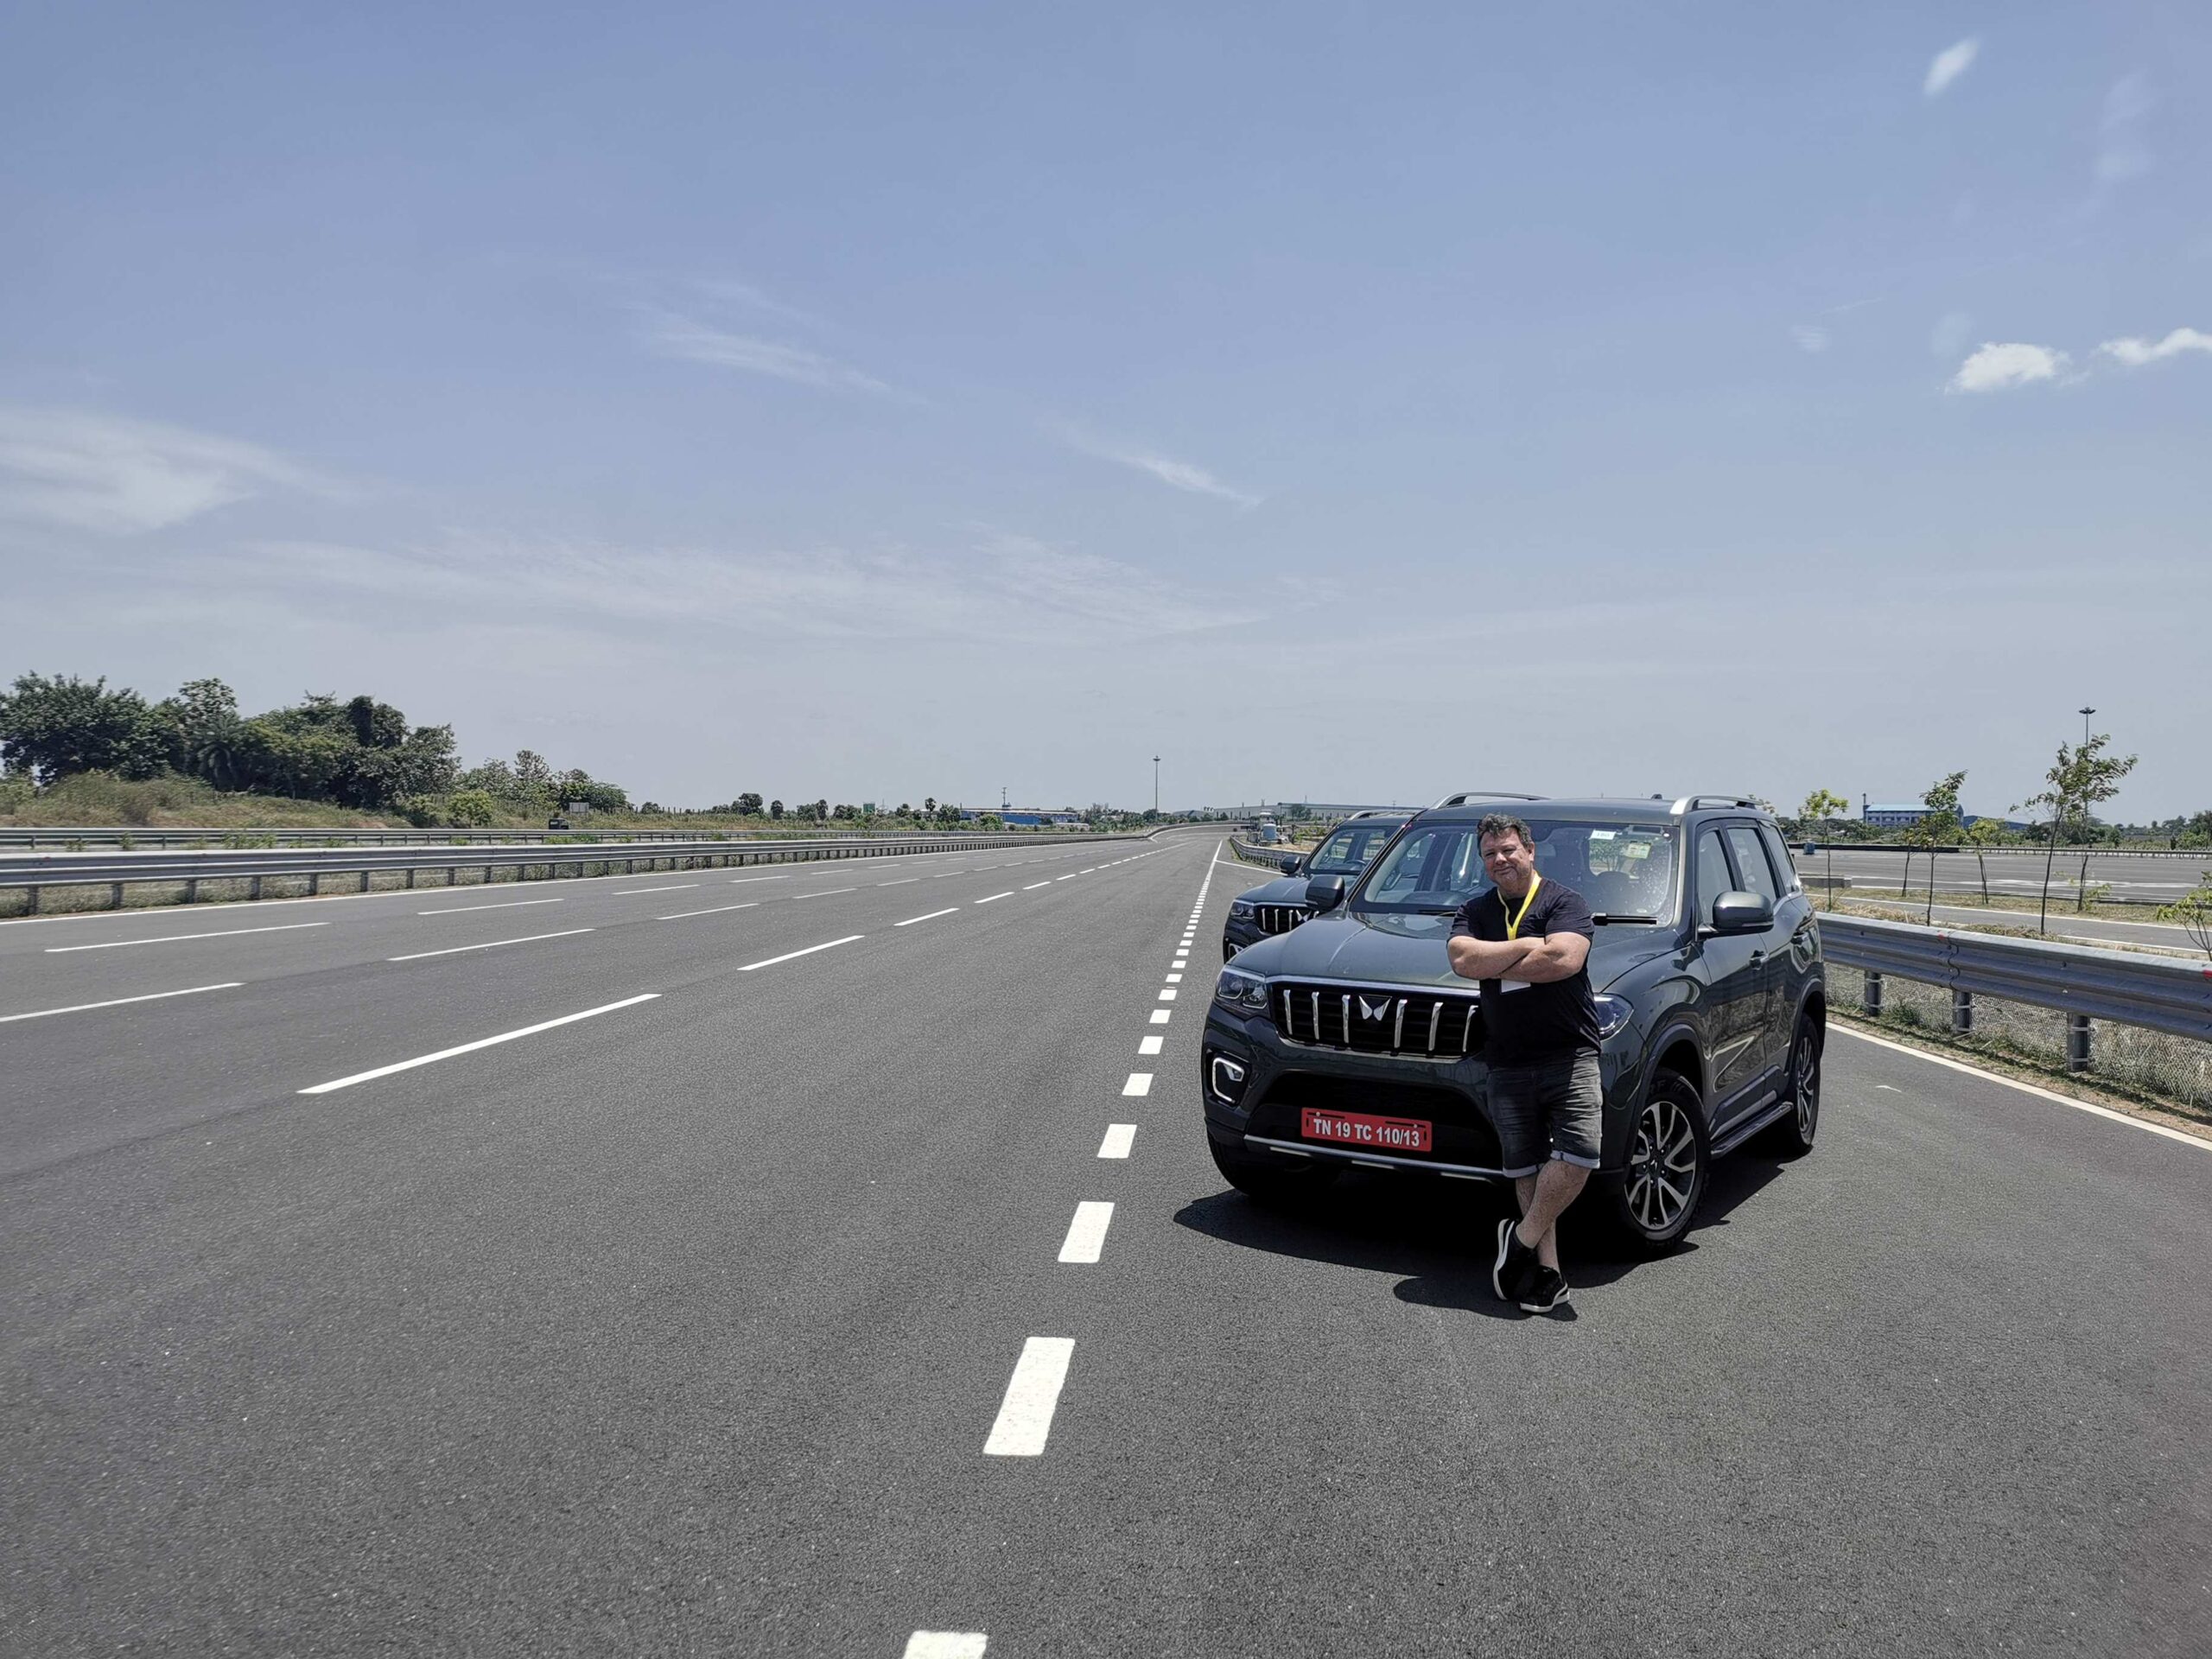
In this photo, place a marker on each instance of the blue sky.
(1349, 402)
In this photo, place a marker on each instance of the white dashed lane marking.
(946, 1645)
(1116, 1143)
(116, 1002)
(504, 904)
(931, 917)
(482, 1042)
(1086, 1237)
(1032, 1394)
(173, 938)
(793, 956)
(624, 892)
(1139, 1084)
(489, 944)
(711, 910)
(1149, 1045)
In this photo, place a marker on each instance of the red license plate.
(1357, 1130)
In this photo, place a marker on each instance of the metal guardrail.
(166, 836)
(2156, 993)
(34, 872)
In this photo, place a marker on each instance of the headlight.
(1613, 1013)
(1241, 910)
(1247, 993)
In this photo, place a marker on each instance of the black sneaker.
(1545, 1290)
(1516, 1261)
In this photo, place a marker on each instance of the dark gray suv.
(1350, 1040)
(1277, 906)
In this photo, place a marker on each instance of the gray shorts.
(1553, 1108)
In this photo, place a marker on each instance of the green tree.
(748, 804)
(775, 810)
(57, 727)
(470, 809)
(2197, 831)
(1983, 834)
(2193, 910)
(2080, 780)
(204, 718)
(1820, 807)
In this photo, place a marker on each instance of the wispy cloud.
(1177, 475)
(1810, 338)
(89, 472)
(2136, 353)
(996, 588)
(2123, 151)
(1948, 65)
(1996, 367)
(669, 334)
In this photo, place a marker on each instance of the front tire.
(1792, 1136)
(1271, 1178)
(1657, 1194)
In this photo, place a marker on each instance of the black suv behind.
(1350, 1040)
(1277, 906)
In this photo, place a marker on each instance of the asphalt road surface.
(740, 1280)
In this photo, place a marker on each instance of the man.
(1527, 940)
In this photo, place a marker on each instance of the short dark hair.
(1503, 823)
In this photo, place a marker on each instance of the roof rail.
(1697, 802)
(1466, 795)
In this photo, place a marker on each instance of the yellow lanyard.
(1513, 925)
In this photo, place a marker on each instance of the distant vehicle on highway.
(1348, 1040)
(1278, 905)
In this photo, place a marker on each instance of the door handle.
(1757, 957)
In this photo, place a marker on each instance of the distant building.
(1903, 814)
(1023, 815)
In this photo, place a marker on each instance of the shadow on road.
(1440, 1236)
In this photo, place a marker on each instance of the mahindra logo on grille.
(1374, 1010)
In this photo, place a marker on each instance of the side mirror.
(1292, 864)
(1326, 891)
(1741, 912)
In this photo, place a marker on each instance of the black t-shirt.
(1527, 1023)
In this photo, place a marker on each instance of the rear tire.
(1792, 1137)
(1273, 1178)
(1656, 1195)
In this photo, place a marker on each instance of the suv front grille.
(1279, 918)
(1377, 1022)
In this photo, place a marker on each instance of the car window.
(1750, 862)
(1785, 869)
(1623, 870)
(1713, 877)
(1350, 849)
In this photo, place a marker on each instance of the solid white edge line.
(1033, 1393)
(504, 904)
(1139, 1082)
(173, 938)
(995, 897)
(1116, 1143)
(116, 1002)
(711, 910)
(946, 1645)
(2095, 1110)
(931, 917)
(1086, 1239)
(482, 1042)
(792, 955)
(489, 944)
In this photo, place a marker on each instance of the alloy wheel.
(1661, 1165)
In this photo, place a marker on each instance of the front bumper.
(1281, 1078)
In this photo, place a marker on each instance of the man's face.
(1510, 862)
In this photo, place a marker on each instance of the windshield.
(1350, 849)
(1622, 869)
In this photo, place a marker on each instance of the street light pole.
(1155, 786)
(2086, 713)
